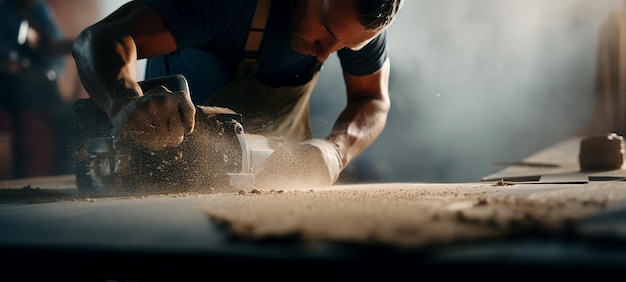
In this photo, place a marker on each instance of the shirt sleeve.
(367, 60)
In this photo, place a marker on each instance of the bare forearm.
(365, 115)
(106, 57)
(358, 126)
(107, 67)
(106, 53)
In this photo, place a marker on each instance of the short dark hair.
(377, 14)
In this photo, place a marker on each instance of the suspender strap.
(255, 35)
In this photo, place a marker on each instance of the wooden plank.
(560, 159)
(563, 155)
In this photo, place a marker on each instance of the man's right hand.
(158, 119)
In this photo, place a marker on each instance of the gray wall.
(476, 82)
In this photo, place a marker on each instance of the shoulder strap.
(255, 35)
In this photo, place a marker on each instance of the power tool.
(219, 154)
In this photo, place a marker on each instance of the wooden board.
(555, 164)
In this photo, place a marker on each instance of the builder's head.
(322, 27)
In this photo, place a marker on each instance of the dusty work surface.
(49, 224)
(413, 215)
(407, 215)
(544, 217)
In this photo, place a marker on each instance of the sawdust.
(410, 215)
(198, 164)
(29, 194)
(63, 188)
(502, 182)
(405, 215)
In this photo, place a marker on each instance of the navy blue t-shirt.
(210, 36)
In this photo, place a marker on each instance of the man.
(258, 58)
(32, 50)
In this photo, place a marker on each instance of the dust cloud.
(474, 83)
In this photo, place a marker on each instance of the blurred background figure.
(33, 116)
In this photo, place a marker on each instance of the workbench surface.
(513, 220)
